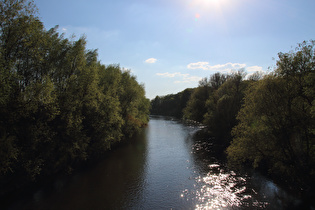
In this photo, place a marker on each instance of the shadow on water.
(115, 182)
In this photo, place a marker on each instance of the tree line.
(264, 121)
(59, 106)
(172, 104)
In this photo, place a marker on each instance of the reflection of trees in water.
(137, 161)
(116, 182)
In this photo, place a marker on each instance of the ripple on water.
(221, 189)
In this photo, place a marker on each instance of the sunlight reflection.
(220, 189)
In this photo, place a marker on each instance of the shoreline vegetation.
(59, 106)
(263, 121)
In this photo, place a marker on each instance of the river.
(169, 165)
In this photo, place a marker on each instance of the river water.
(170, 165)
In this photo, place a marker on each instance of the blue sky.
(169, 45)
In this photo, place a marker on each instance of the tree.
(196, 106)
(217, 79)
(276, 125)
(58, 105)
(223, 105)
(256, 76)
(172, 104)
(25, 92)
(135, 108)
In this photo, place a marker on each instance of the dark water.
(169, 166)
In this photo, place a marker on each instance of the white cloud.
(151, 60)
(253, 69)
(185, 78)
(226, 68)
(189, 79)
(178, 74)
(219, 67)
(198, 65)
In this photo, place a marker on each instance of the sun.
(212, 1)
(206, 4)
(214, 7)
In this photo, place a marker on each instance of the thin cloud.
(189, 79)
(219, 67)
(198, 65)
(185, 78)
(253, 69)
(226, 68)
(178, 74)
(151, 60)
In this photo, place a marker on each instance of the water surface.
(170, 165)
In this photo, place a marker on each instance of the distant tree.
(217, 79)
(223, 105)
(156, 106)
(256, 76)
(196, 106)
(172, 104)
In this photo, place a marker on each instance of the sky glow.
(170, 45)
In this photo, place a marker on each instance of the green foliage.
(58, 105)
(171, 105)
(198, 105)
(276, 123)
(135, 108)
(223, 105)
